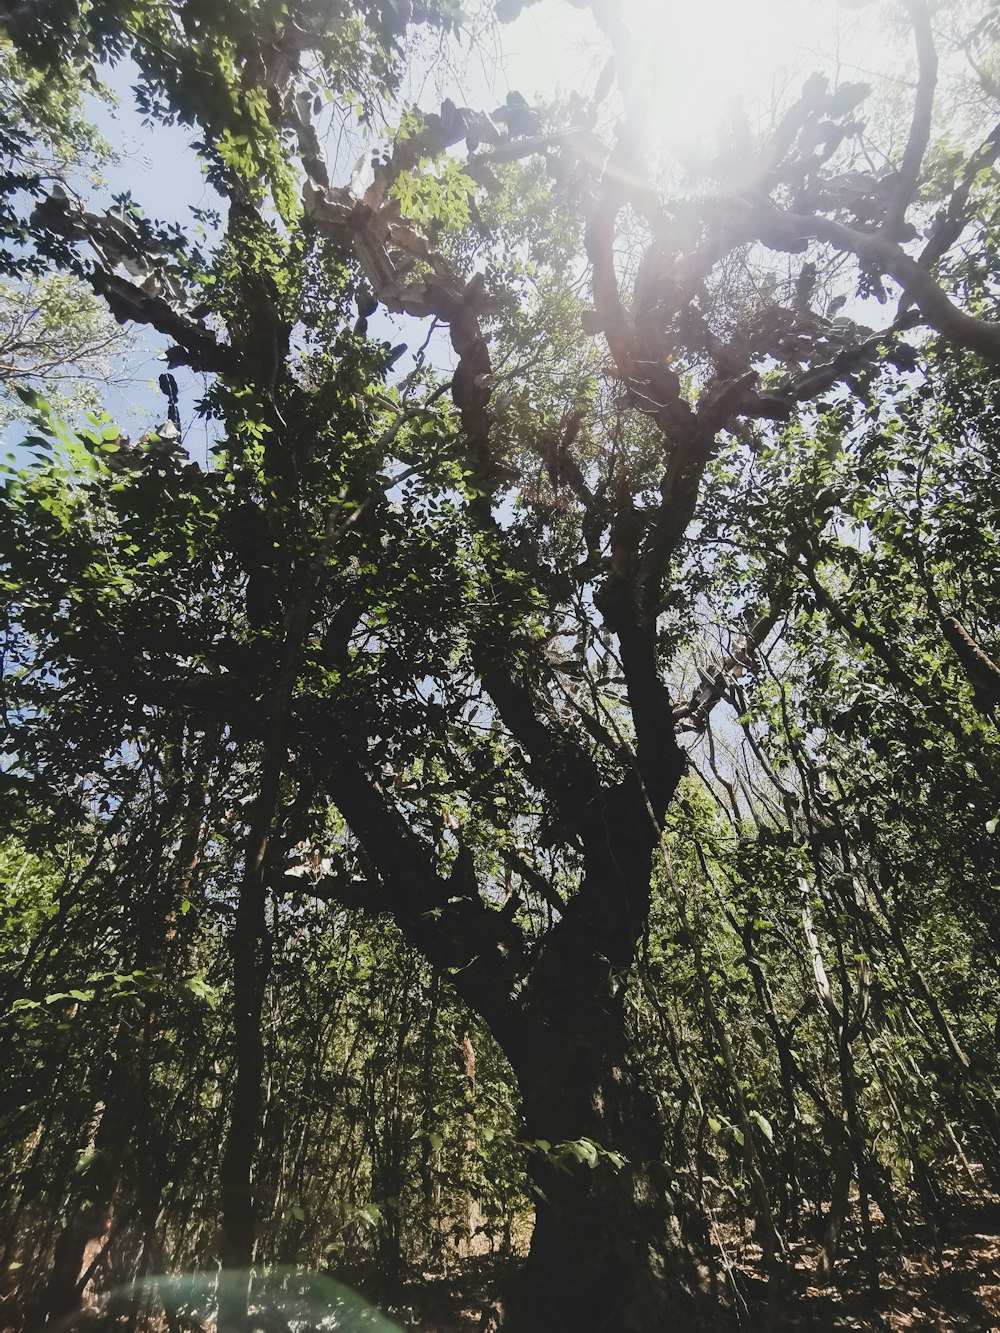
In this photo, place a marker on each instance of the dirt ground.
(949, 1283)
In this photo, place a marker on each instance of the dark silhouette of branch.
(920, 127)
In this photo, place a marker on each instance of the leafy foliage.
(562, 782)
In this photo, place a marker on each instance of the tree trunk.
(607, 1251)
(239, 1205)
(251, 969)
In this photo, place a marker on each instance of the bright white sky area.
(703, 58)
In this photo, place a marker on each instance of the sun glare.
(718, 62)
(705, 58)
(704, 62)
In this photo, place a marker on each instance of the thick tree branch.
(113, 241)
(920, 127)
(981, 671)
(786, 231)
(445, 917)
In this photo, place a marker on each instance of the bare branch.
(694, 714)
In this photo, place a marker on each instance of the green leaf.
(370, 1215)
(764, 1126)
(200, 988)
(30, 397)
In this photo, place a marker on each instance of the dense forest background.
(500, 783)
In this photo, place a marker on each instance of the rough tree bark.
(607, 1252)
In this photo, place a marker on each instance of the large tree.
(434, 615)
